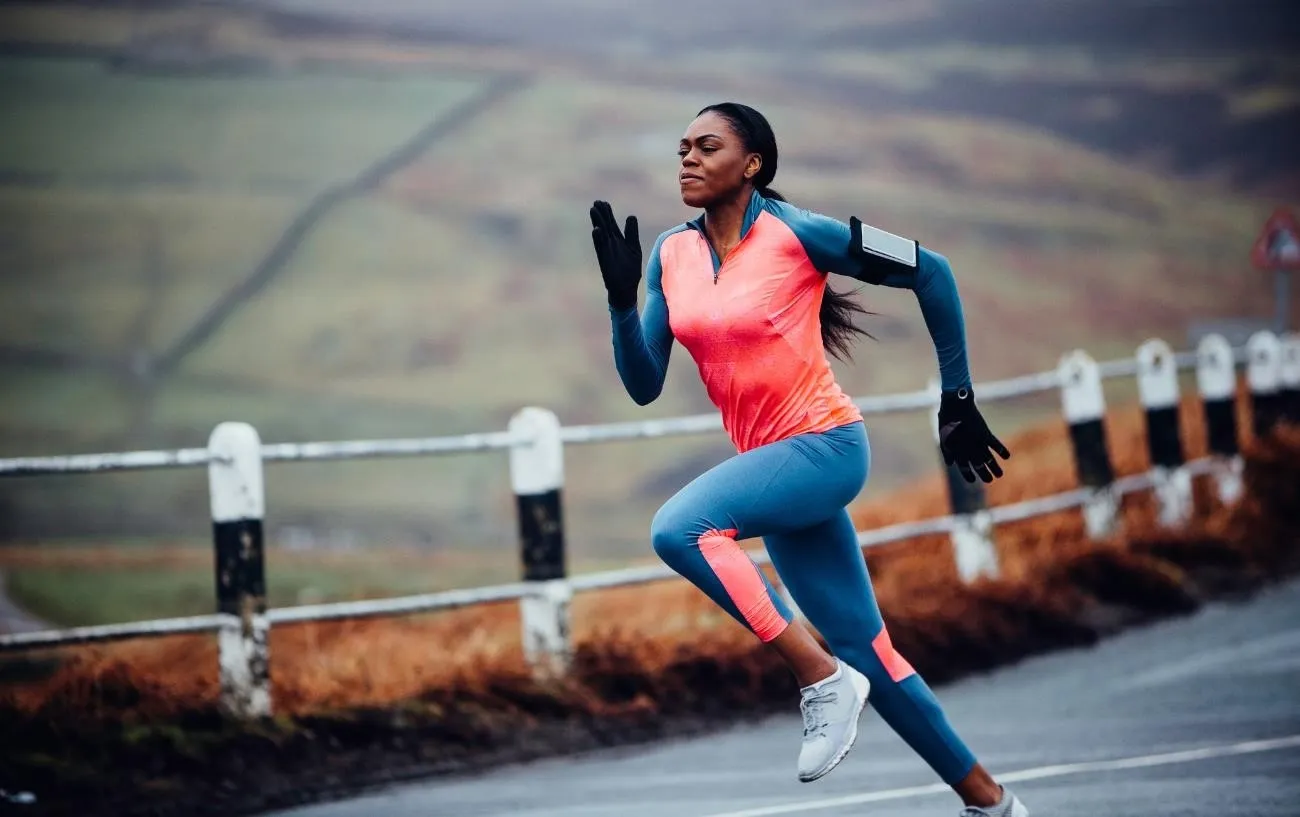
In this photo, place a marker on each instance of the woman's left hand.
(965, 439)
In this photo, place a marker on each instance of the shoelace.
(813, 720)
(973, 811)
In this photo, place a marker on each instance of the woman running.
(744, 289)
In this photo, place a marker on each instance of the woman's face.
(715, 165)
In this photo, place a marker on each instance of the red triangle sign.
(1278, 245)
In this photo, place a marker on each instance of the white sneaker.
(830, 720)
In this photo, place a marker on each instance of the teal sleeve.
(936, 290)
(826, 240)
(642, 343)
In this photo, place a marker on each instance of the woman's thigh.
(785, 486)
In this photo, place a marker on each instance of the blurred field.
(133, 201)
(78, 584)
(413, 313)
(138, 186)
(144, 264)
(76, 120)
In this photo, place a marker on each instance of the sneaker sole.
(863, 687)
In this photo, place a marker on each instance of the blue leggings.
(794, 494)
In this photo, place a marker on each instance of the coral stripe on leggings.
(793, 493)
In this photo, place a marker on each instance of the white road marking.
(1038, 773)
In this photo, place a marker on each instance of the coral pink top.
(754, 332)
(751, 322)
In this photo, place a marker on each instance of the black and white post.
(1263, 359)
(1083, 402)
(1216, 380)
(537, 478)
(972, 527)
(1158, 391)
(235, 485)
(1289, 377)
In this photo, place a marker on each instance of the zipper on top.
(751, 215)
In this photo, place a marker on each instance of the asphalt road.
(1193, 716)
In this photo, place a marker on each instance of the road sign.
(1278, 249)
(1278, 245)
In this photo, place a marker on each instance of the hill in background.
(338, 228)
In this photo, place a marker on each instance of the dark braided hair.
(837, 308)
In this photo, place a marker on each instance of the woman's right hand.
(618, 253)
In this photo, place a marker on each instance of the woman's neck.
(722, 223)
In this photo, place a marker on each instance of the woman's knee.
(678, 532)
(668, 536)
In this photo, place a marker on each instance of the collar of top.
(756, 202)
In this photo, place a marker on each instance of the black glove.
(965, 439)
(619, 255)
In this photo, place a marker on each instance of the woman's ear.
(752, 167)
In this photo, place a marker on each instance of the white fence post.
(1083, 402)
(537, 478)
(1263, 356)
(238, 499)
(1216, 380)
(1158, 392)
(972, 543)
(1289, 377)
(972, 528)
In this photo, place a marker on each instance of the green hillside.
(460, 287)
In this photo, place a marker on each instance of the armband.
(881, 254)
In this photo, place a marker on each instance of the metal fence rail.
(902, 402)
(93, 463)
(116, 632)
(535, 439)
(415, 447)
